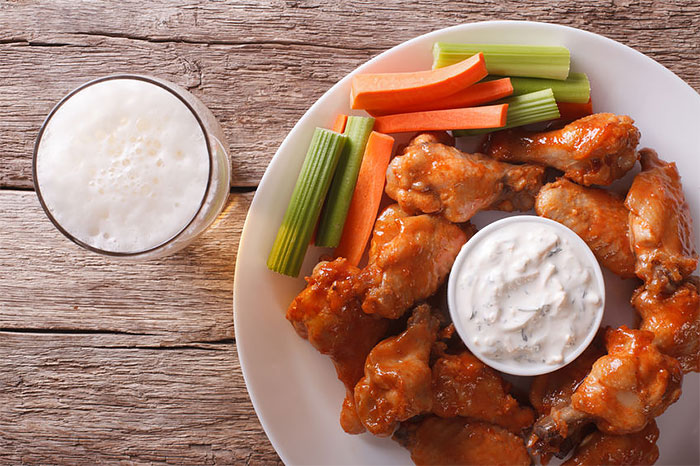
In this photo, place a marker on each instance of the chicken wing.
(464, 386)
(625, 389)
(660, 225)
(408, 260)
(437, 441)
(434, 178)
(630, 386)
(328, 314)
(396, 382)
(632, 449)
(597, 149)
(675, 321)
(553, 392)
(600, 218)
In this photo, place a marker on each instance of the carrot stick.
(366, 198)
(571, 111)
(395, 90)
(491, 116)
(339, 123)
(476, 94)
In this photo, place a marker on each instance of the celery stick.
(575, 88)
(357, 129)
(531, 61)
(304, 207)
(522, 110)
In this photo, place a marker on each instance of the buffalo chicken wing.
(597, 216)
(660, 225)
(597, 149)
(396, 382)
(409, 258)
(431, 177)
(438, 441)
(638, 449)
(625, 390)
(328, 314)
(675, 321)
(465, 386)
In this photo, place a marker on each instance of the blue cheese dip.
(526, 294)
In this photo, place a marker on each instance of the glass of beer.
(131, 166)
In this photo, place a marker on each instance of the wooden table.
(110, 362)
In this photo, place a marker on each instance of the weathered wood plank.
(358, 24)
(259, 65)
(48, 283)
(257, 93)
(108, 399)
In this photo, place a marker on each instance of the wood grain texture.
(121, 399)
(182, 299)
(103, 362)
(260, 64)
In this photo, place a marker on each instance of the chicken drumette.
(438, 441)
(328, 314)
(624, 390)
(597, 149)
(464, 386)
(409, 258)
(662, 239)
(675, 321)
(660, 225)
(636, 449)
(600, 218)
(431, 177)
(553, 391)
(396, 382)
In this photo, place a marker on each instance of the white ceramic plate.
(294, 389)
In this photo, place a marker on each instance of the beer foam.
(123, 165)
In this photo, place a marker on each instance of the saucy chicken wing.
(597, 149)
(600, 218)
(328, 314)
(625, 390)
(553, 391)
(632, 449)
(660, 225)
(675, 321)
(465, 386)
(409, 258)
(396, 382)
(434, 178)
(438, 441)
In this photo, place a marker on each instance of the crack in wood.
(243, 189)
(182, 40)
(233, 190)
(16, 188)
(222, 341)
(232, 43)
(69, 331)
(34, 43)
(158, 40)
(209, 346)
